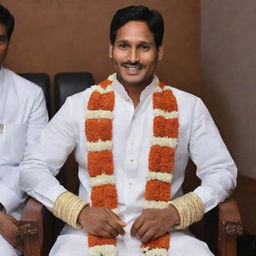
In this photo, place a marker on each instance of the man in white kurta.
(132, 129)
(135, 49)
(22, 116)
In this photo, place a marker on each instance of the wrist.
(82, 213)
(175, 214)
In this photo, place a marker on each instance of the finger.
(111, 231)
(141, 231)
(147, 236)
(136, 225)
(117, 224)
(121, 223)
(104, 234)
(119, 220)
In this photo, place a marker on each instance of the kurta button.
(130, 183)
(131, 160)
(1, 128)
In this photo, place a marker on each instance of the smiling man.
(22, 116)
(133, 136)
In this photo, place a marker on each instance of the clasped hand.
(152, 223)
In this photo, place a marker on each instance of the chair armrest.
(229, 218)
(230, 227)
(36, 226)
(31, 219)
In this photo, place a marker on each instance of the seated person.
(22, 116)
(133, 136)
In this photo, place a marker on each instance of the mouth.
(132, 69)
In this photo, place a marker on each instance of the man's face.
(134, 54)
(4, 43)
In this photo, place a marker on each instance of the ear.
(160, 52)
(110, 50)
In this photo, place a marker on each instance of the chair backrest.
(42, 80)
(69, 83)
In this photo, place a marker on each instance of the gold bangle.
(190, 208)
(67, 207)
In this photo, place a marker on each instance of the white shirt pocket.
(12, 143)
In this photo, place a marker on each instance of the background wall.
(62, 35)
(229, 88)
(229, 75)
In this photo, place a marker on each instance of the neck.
(134, 90)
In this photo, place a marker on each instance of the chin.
(131, 80)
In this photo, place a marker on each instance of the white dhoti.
(182, 243)
(6, 249)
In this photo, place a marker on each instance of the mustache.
(136, 63)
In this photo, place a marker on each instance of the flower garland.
(98, 131)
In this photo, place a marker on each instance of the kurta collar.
(119, 88)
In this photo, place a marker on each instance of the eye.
(144, 47)
(123, 46)
(3, 39)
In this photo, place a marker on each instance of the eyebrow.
(126, 41)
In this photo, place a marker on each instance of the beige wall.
(229, 75)
(60, 35)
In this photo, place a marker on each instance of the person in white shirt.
(132, 137)
(22, 116)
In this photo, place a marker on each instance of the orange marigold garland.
(98, 131)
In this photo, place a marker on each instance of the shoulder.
(185, 98)
(22, 85)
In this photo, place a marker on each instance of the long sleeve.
(41, 165)
(11, 196)
(215, 167)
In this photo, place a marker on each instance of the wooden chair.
(219, 228)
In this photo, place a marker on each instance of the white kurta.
(132, 130)
(23, 114)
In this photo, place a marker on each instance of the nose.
(133, 55)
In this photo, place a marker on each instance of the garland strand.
(98, 131)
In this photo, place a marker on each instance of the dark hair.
(153, 19)
(7, 20)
